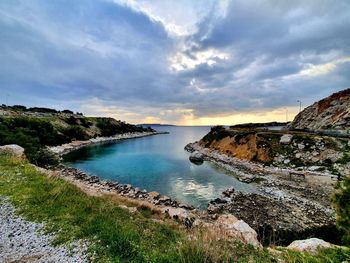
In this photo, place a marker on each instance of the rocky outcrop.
(293, 149)
(287, 204)
(330, 113)
(13, 149)
(196, 157)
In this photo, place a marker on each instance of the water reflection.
(159, 163)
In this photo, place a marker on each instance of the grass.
(117, 235)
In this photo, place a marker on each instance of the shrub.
(43, 157)
(75, 132)
(341, 199)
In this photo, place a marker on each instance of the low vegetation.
(117, 235)
(341, 199)
(35, 128)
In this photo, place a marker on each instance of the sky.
(180, 62)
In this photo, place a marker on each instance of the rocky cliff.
(331, 113)
(292, 149)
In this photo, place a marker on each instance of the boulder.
(309, 245)
(247, 233)
(196, 157)
(235, 228)
(286, 139)
(13, 149)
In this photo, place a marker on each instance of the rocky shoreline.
(289, 204)
(227, 225)
(284, 209)
(75, 145)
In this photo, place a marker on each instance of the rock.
(248, 234)
(286, 139)
(332, 112)
(228, 192)
(238, 228)
(309, 245)
(196, 157)
(301, 146)
(186, 206)
(214, 208)
(13, 149)
(287, 161)
(227, 219)
(154, 195)
(314, 168)
(164, 198)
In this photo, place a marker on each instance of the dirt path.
(22, 241)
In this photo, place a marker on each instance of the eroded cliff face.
(282, 149)
(332, 112)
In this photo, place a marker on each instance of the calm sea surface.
(159, 163)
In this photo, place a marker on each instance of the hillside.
(332, 112)
(35, 128)
(278, 148)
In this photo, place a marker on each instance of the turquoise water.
(159, 163)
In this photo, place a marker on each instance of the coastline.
(75, 145)
(288, 205)
(135, 199)
(246, 169)
(185, 214)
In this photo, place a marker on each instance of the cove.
(159, 163)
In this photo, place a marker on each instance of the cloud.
(173, 61)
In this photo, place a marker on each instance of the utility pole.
(299, 105)
(7, 99)
(286, 115)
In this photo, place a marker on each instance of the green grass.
(117, 235)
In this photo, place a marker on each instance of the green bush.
(341, 199)
(75, 132)
(43, 157)
(107, 127)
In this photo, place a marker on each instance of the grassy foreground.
(116, 234)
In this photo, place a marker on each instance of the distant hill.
(154, 124)
(329, 113)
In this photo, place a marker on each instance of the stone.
(228, 192)
(13, 149)
(214, 208)
(314, 168)
(301, 146)
(286, 139)
(248, 234)
(309, 245)
(196, 157)
(226, 219)
(164, 198)
(154, 195)
(298, 155)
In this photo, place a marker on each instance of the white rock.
(309, 245)
(301, 146)
(248, 234)
(286, 139)
(13, 149)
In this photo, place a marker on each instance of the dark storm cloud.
(70, 52)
